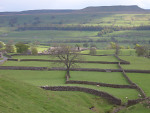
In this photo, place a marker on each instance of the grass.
(103, 19)
(41, 48)
(100, 52)
(32, 57)
(127, 52)
(100, 58)
(130, 35)
(48, 35)
(57, 78)
(38, 78)
(140, 63)
(50, 64)
(84, 57)
(19, 97)
(138, 108)
(112, 51)
(142, 80)
(111, 78)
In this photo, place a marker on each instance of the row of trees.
(75, 28)
(18, 47)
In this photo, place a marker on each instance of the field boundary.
(72, 69)
(43, 60)
(136, 101)
(105, 95)
(140, 90)
(98, 84)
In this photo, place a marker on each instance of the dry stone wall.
(105, 95)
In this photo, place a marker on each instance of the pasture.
(136, 62)
(57, 78)
(33, 99)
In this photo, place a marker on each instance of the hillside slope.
(18, 97)
(120, 8)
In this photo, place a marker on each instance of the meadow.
(50, 64)
(142, 80)
(57, 78)
(23, 85)
(17, 96)
(84, 57)
(48, 35)
(140, 63)
(102, 77)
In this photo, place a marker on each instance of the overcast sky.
(20, 5)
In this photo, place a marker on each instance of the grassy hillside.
(100, 18)
(18, 97)
(139, 108)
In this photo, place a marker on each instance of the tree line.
(102, 29)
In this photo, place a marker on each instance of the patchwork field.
(142, 80)
(33, 99)
(50, 64)
(47, 35)
(84, 57)
(103, 77)
(136, 62)
(20, 90)
(57, 78)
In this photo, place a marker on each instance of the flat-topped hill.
(119, 8)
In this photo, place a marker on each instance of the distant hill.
(46, 11)
(132, 8)
(42, 11)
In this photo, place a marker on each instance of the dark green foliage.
(85, 45)
(21, 47)
(9, 47)
(13, 21)
(34, 51)
(141, 50)
(104, 31)
(1, 44)
(92, 51)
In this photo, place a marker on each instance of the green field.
(84, 57)
(130, 35)
(140, 63)
(50, 64)
(57, 78)
(104, 19)
(103, 77)
(19, 97)
(100, 52)
(19, 89)
(47, 35)
(142, 80)
(138, 108)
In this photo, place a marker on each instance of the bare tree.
(67, 55)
